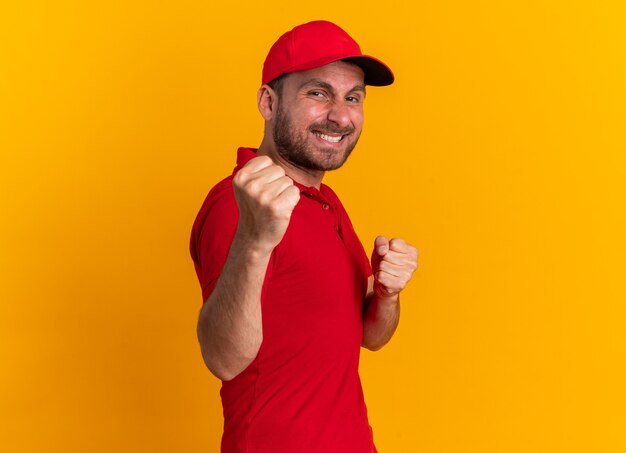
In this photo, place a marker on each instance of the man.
(289, 293)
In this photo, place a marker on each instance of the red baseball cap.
(319, 43)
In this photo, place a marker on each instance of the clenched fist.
(266, 197)
(393, 264)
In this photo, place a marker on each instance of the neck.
(304, 176)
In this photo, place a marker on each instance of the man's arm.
(393, 264)
(230, 328)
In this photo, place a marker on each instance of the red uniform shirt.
(302, 393)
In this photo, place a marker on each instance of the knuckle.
(275, 207)
(252, 186)
(264, 198)
(393, 255)
(265, 160)
(278, 170)
(239, 178)
(294, 192)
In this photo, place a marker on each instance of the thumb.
(381, 247)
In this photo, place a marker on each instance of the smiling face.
(319, 116)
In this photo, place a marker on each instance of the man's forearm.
(380, 320)
(393, 264)
(230, 325)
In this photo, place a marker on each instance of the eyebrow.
(327, 86)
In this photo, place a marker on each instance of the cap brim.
(375, 71)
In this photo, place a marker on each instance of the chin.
(330, 160)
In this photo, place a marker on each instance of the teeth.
(329, 138)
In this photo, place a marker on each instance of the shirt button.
(325, 207)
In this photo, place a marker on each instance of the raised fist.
(393, 264)
(266, 197)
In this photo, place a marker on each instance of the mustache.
(331, 127)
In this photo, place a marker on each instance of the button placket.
(331, 210)
(325, 205)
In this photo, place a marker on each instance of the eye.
(316, 93)
(353, 99)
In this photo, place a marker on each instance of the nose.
(339, 113)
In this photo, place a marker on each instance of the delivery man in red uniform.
(289, 293)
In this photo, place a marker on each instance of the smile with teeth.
(329, 138)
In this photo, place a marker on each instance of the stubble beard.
(295, 149)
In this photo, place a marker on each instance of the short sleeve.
(212, 235)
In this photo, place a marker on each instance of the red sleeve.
(212, 235)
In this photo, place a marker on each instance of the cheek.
(357, 116)
(313, 112)
(302, 120)
(358, 122)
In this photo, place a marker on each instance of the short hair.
(277, 84)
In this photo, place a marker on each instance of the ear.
(267, 101)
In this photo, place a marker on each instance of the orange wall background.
(499, 152)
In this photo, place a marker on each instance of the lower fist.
(266, 197)
(393, 264)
